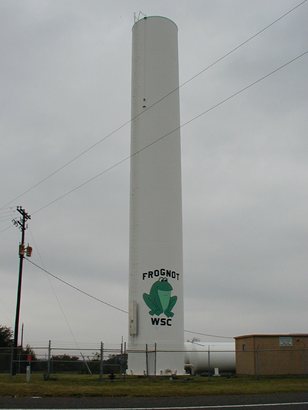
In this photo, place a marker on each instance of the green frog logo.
(159, 300)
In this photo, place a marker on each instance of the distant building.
(278, 354)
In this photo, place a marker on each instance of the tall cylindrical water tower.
(156, 254)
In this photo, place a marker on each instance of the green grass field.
(63, 385)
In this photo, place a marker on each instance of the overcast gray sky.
(65, 84)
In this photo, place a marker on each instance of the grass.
(63, 385)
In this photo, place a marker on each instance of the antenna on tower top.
(138, 16)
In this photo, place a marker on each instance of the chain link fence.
(50, 360)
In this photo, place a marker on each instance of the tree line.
(6, 345)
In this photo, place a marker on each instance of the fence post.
(146, 360)
(101, 367)
(19, 360)
(209, 360)
(49, 359)
(124, 361)
(257, 363)
(12, 358)
(121, 357)
(155, 353)
(28, 373)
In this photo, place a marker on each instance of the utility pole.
(22, 225)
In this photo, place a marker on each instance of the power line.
(7, 210)
(5, 217)
(6, 229)
(61, 308)
(76, 288)
(206, 334)
(109, 304)
(86, 150)
(213, 107)
(5, 214)
(243, 43)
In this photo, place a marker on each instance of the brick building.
(278, 354)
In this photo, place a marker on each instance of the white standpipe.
(156, 260)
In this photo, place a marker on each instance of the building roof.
(273, 335)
